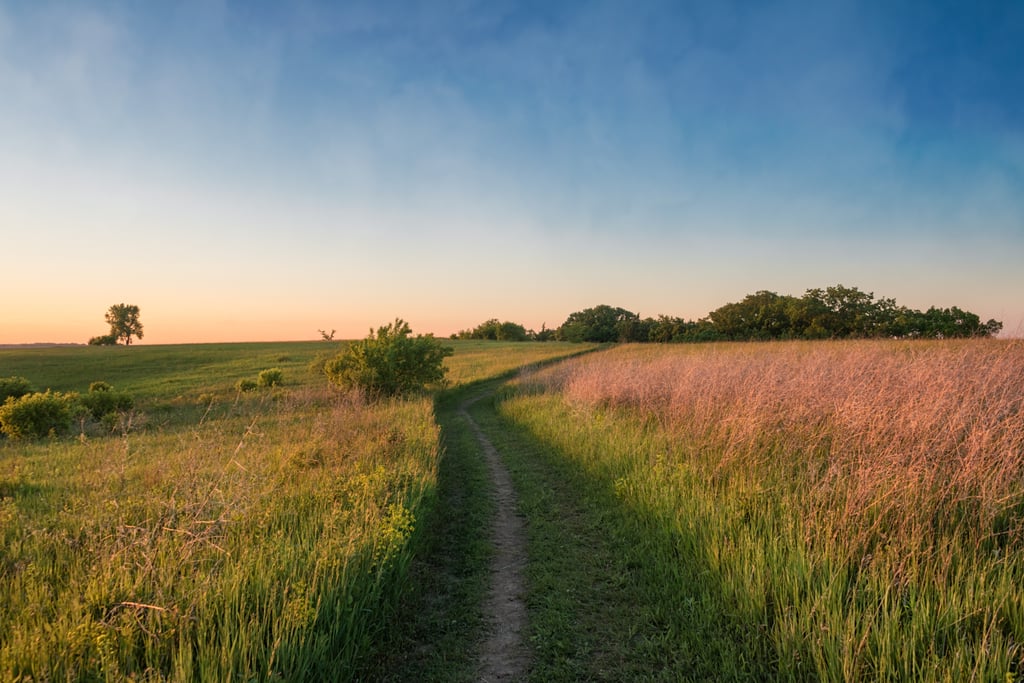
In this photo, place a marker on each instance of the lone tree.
(390, 363)
(124, 322)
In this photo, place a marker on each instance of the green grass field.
(217, 535)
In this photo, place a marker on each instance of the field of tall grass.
(808, 511)
(216, 534)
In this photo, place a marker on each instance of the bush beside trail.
(390, 362)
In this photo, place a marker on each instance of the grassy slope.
(277, 501)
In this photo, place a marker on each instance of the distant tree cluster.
(832, 313)
(496, 330)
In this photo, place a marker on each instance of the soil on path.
(503, 655)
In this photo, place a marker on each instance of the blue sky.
(257, 171)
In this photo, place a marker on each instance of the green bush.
(102, 400)
(14, 386)
(271, 377)
(37, 415)
(390, 363)
(103, 340)
(246, 385)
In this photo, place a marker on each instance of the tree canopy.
(599, 324)
(124, 322)
(496, 330)
(836, 312)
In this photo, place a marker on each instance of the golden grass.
(905, 434)
(857, 506)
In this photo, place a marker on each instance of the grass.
(788, 511)
(251, 545)
(161, 372)
(233, 536)
(480, 359)
(782, 511)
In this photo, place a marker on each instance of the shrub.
(14, 387)
(37, 415)
(102, 400)
(103, 340)
(271, 377)
(390, 363)
(246, 385)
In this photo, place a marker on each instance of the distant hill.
(38, 345)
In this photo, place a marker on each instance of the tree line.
(836, 312)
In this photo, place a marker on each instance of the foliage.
(496, 330)
(103, 340)
(836, 312)
(38, 414)
(327, 336)
(390, 362)
(246, 384)
(102, 400)
(545, 334)
(271, 377)
(124, 322)
(15, 387)
(599, 324)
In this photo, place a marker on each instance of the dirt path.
(503, 655)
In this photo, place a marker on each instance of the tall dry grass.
(908, 436)
(860, 504)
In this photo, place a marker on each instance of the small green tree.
(124, 322)
(390, 362)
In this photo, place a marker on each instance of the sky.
(246, 170)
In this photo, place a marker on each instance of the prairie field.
(215, 534)
(799, 511)
(739, 511)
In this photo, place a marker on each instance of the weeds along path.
(503, 655)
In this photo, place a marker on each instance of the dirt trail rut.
(503, 655)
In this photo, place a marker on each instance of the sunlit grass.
(269, 538)
(164, 372)
(216, 535)
(477, 359)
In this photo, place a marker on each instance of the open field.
(216, 535)
(745, 511)
(788, 511)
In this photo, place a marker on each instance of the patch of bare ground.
(503, 654)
